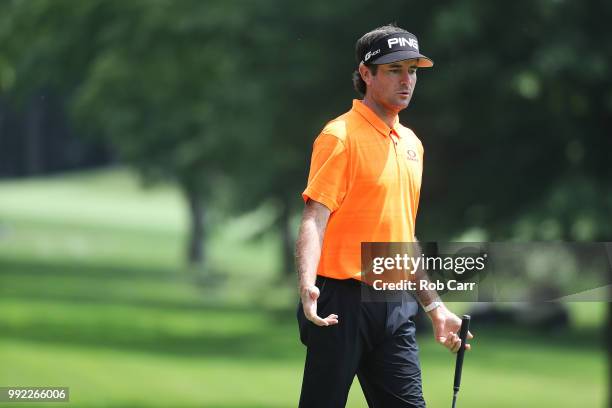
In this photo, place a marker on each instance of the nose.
(406, 78)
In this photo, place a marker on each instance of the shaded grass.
(504, 371)
(104, 306)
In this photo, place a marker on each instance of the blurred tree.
(516, 121)
(168, 87)
(301, 72)
(165, 82)
(515, 116)
(37, 136)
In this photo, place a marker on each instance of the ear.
(365, 73)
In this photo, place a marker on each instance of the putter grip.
(465, 326)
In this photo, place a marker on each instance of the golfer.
(363, 186)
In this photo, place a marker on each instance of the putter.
(465, 326)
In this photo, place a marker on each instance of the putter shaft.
(465, 326)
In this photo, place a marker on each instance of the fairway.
(94, 296)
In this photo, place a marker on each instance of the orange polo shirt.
(369, 176)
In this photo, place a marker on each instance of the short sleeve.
(327, 181)
(421, 150)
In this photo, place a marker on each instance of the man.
(364, 186)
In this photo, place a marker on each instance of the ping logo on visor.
(404, 42)
(396, 47)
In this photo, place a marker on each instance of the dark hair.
(363, 45)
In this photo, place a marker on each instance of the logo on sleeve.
(412, 155)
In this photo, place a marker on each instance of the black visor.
(396, 47)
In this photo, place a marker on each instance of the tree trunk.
(195, 244)
(33, 137)
(2, 115)
(287, 238)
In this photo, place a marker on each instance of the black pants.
(373, 339)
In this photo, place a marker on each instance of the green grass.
(94, 296)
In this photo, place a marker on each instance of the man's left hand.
(446, 327)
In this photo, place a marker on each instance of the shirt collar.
(369, 115)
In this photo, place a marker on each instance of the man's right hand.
(309, 297)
